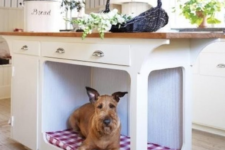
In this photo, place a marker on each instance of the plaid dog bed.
(69, 140)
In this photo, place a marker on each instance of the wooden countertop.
(143, 35)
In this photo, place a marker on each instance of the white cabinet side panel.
(63, 92)
(107, 81)
(165, 108)
(24, 100)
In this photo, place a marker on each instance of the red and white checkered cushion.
(69, 140)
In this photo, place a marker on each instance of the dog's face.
(105, 117)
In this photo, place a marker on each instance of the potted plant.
(100, 22)
(77, 5)
(201, 11)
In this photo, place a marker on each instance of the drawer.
(26, 47)
(104, 53)
(212, 64)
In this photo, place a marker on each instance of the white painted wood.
(87, 4)
(63, 92)
(113, 54)
(208, 129)
(97, 3)
(2, 3)
(92, 3)
(209, 101)
(146, 55)
(7, 3)
(216, 47)
(32, 47)
(102, 2)
(165, 107)
(208, 90)
(14, 3)
(11, 18)
(20, 3)
(134, 8)
(115, 81)
(24, 100)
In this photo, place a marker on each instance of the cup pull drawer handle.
(221, 66)
(25, 48)
(98, 54)
(60, 51)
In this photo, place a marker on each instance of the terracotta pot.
(200, 14)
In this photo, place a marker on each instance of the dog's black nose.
(107, 121)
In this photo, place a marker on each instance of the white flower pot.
(42, 15)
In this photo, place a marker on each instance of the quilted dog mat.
(69, 140)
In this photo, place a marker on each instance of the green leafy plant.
(72, 4)
(102, 22)
(198, 10)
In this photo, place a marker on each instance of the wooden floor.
(201, 141)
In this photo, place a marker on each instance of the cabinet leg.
(138, 111)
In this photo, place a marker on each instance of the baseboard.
(208, 129)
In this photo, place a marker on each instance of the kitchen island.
(50, 72)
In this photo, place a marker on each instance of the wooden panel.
(165, 108)
(20, 3)
(87, 4)
(14, 3)
(2, 3)
(97, 3)
(7, 3)
(92, 2)
(24, 100)
(11, 18)
(102, 2)
(4, 15)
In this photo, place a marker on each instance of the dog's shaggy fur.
(98, 122)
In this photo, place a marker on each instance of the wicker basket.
(148, 21)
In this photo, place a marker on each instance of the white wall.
(11, 18)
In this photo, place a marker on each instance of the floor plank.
(200, 140)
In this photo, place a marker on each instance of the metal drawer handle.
(25, 48)
(98, 54)
(221, 65)
(60, 51)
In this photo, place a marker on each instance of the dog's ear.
(92, 94)
(117, 95)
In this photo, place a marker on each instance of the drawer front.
(26, 47)
(104, 53)
(212, 64)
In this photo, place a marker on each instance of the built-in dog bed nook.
(70, 140)
(64, 91)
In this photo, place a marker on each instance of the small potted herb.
(201, 11)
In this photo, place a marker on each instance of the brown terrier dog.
(98, 121)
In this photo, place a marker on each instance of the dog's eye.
(111, 106)
(100, 106)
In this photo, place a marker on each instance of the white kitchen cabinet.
(155, 71)
(209, 85)
(24, 100)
